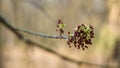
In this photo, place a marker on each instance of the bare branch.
(41, 34)
(30, 42)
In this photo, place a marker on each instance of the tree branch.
(30, 42)
(38, 6)
(41, 34)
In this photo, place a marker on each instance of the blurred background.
(41, 16)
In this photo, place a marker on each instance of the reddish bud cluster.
(60, 27)
(81, 37)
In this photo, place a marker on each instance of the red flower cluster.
(60, 27)
(81, 37)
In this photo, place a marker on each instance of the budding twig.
(28, 41)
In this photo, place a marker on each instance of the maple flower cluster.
(60, 27)
(82, 36)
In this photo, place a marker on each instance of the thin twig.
(41, 34)
(27, 41)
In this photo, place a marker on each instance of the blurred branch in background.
(38, 5)
(30, 42)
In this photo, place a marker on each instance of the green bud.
(61, 26)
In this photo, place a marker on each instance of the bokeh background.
(41, 16)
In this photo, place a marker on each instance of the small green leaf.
(87, 30)
(61, 26)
